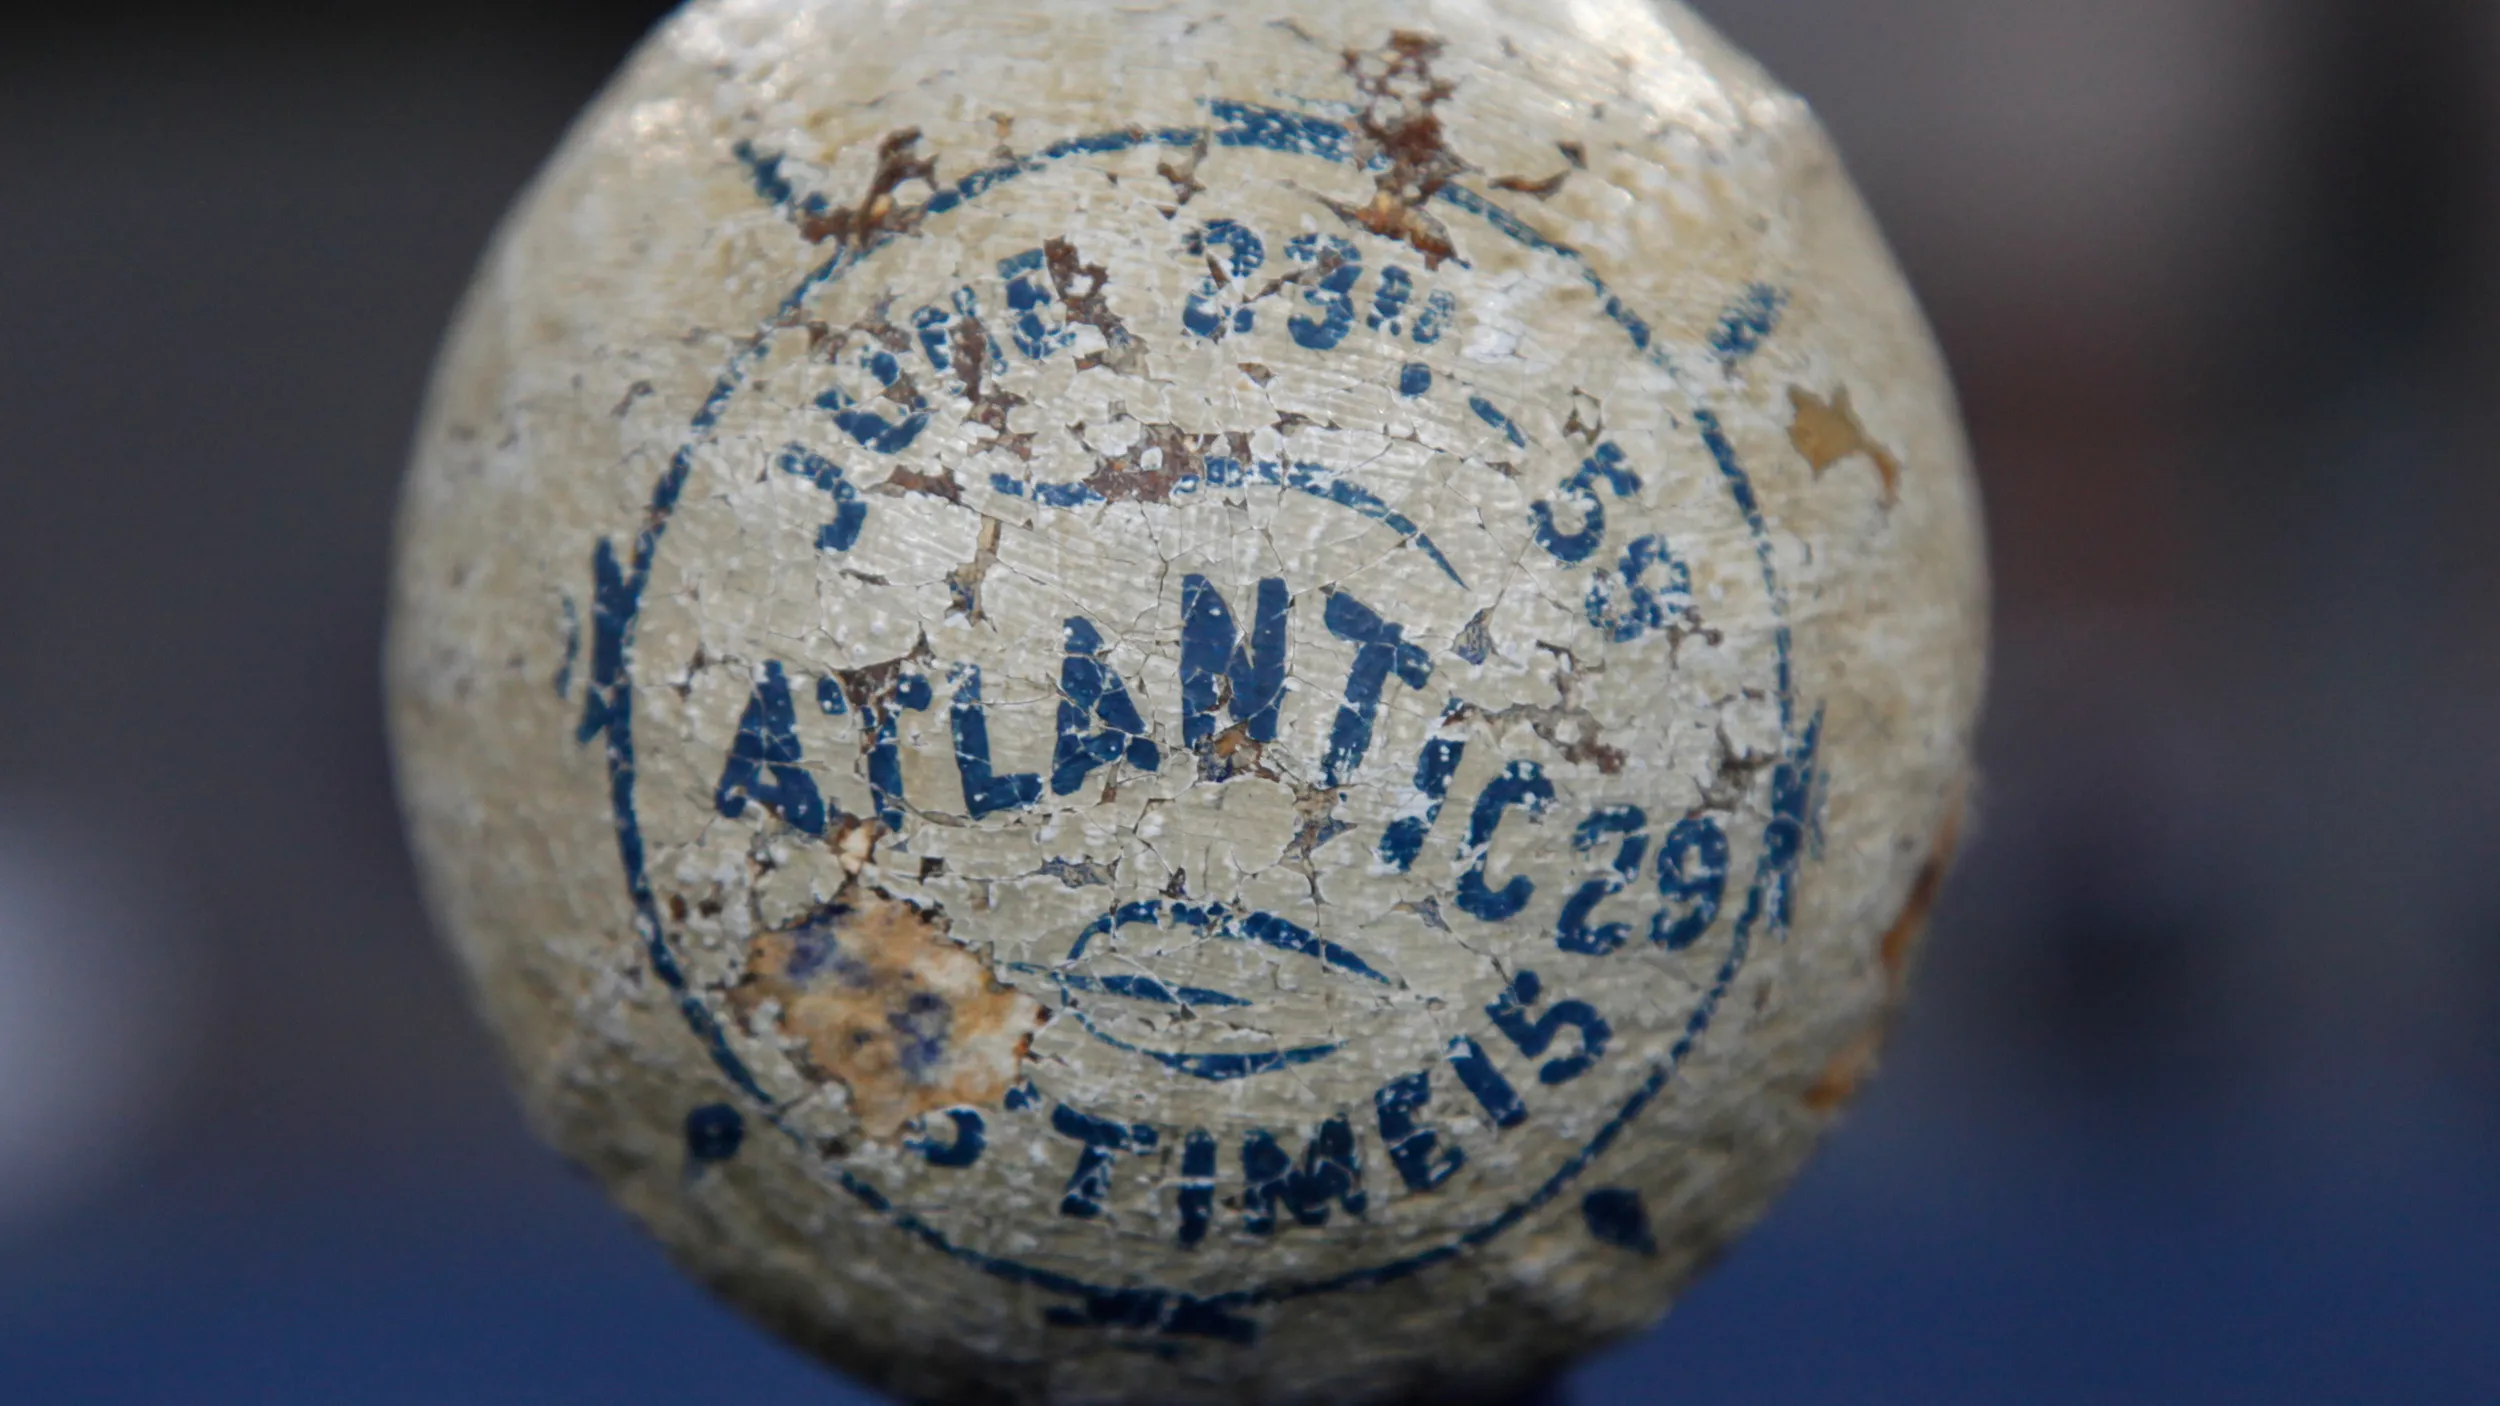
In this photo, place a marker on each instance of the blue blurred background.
(2200, 1097)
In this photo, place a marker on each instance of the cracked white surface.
(739, 154)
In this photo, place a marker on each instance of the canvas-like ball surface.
(1189, 703)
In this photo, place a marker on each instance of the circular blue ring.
(608, 713)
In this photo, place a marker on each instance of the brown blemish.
(1848, 1070)
(1571, 731)
(937, 485)
(1732, 776)
(1900, 941)
(964, 582)
(1232, 753)
(870, 688)
(1182, 172)
(1399, 124)
(1259, 375)
(1585, 428)
(970, 343)
(1080, 286)
(1568, 727)
(1153, 468)
(1081, 873)
(1827, 432)
(882, 330)
(1545, 189)
(853, 840)
(878, 212)
(877, 997)
(1316, 808)
(1427, 909)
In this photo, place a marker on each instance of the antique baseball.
(1189, 702)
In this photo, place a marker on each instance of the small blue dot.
(1617, 1217)
(714, 1133)
(1415, 379)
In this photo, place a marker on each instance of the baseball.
(1191, 702)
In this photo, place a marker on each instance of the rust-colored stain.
(964, 582)
(1901, 939)
(1080, 286)
(1567, 727)
(937, 485)
(878, 211)
(1848, 1070)
(1545, 189)
(1129, 478)
(1827, 432)
(1233, 752)
(879, 1000)
(1182, 173)
(970, 343)
(1398, 124)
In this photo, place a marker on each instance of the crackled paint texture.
(1189, 702)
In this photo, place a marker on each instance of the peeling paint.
(1399, 123)
(1847, 1072)
(878, 1000)
(1827, 432)
(1192, 724)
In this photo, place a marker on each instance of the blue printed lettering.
(1381, 650)
(885, 756)
(1089, 690)
(1443, 749)
(764, 762)
(1028, 296)
(1331, 1170)
(1748, 323)
(1389, 300)
(1339, 268)
(932, 324)
(1415, 1150)
(850, 511)
(871, 428)
(1492, 415)
(969, 1141)
(1573, 933)
(1218, 672)
(1208, 314)
(1089, 1186)
(1692, 878)
(986, 792)
(1197, 1201)
(1493, 1092)
(1534, 1038)
(1439, 309)
(1783, 840)
(1581, 488)
(1625, 605)
(1520, 784)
